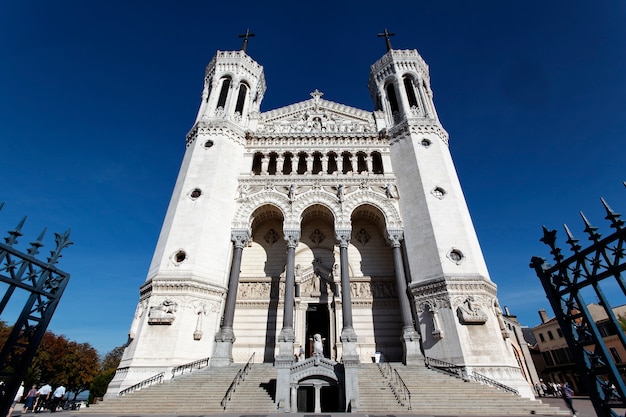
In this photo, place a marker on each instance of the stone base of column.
(282, 363)
(348, 344)
(411, 347)
(351, 363)
(223, 349)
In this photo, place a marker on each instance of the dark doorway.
(330, 398)
(317, 321)
(306, 399)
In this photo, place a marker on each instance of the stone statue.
(318, 348)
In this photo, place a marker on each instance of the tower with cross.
(317, 218)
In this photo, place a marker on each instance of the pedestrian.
(30, 399)
(44, 396)
(57, 396)
(18, 396)
(568, 393)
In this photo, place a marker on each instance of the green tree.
(109, 365)
(622, 322)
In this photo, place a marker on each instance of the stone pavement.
(582, 405)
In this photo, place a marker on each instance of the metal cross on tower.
(45, 284)
(387, 41)
(564, 284)
(245, 37)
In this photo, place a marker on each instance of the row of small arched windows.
(316, 163)
(241, 96)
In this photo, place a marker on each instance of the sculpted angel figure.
(391, 191)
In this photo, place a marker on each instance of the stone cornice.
(176, 286)
(317, 140)
(401, 57)
(229, 130)
(424, 126)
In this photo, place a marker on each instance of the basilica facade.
(317, 218)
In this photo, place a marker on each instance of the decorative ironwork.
(563, 284)
(45, 283)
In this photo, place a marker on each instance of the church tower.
(459, 317)
(317, 237)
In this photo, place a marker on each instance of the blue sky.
(96, 99)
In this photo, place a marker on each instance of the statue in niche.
(243, 191)
(470, 312)
(163, 313)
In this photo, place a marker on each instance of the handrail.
(241, 376)
(397, 384)
(461, 371)
(399, 388)
(199, 364)
(156, 379)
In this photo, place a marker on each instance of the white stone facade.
(317, 175)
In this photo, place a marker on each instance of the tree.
(622, 322)
(109, 365)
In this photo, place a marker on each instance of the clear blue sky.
(96, 98)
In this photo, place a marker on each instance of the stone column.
(309, 163)
(354, 159)
(285, 357)
(224, 339)
(318, 402)
(368, 163)
(265, 162)
(410, 338)
(350, 356)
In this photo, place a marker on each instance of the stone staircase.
(435, 393)
(432, 393)
(199, 392)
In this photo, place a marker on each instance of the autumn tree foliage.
(60, 361)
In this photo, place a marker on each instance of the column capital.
(240, 237)
(394, 237)
(292, 237)
(343, 236)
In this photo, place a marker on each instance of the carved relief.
(163, 313)
(470, 312)
(362, 237)
(271, 237)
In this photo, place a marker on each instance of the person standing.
(30, 399)
(57, 396)
(568, 393)
(18, 396)
(44, 396)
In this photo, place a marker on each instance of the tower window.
(256, 163)
(377, 163)
(391, 96)
(241, 98)
(221, 102)
(410, 92)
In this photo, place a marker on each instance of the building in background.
(552, 356)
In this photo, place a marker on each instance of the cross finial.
(245, 37)
(387, 41)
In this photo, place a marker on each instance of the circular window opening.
(456, 256)
(180, 256)
(438, 192)
(196, 193)
(208, 143)
(426, 143)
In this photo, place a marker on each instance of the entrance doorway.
(317, 321)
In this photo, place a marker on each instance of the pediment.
(316, 116)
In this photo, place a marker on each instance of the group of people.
(40, 399)
(555, 389)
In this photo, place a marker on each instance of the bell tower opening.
(317, 321)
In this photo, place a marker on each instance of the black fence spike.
(571, 240)
(612, 216)
(34, 246)
(15, 233)
(590, 230)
